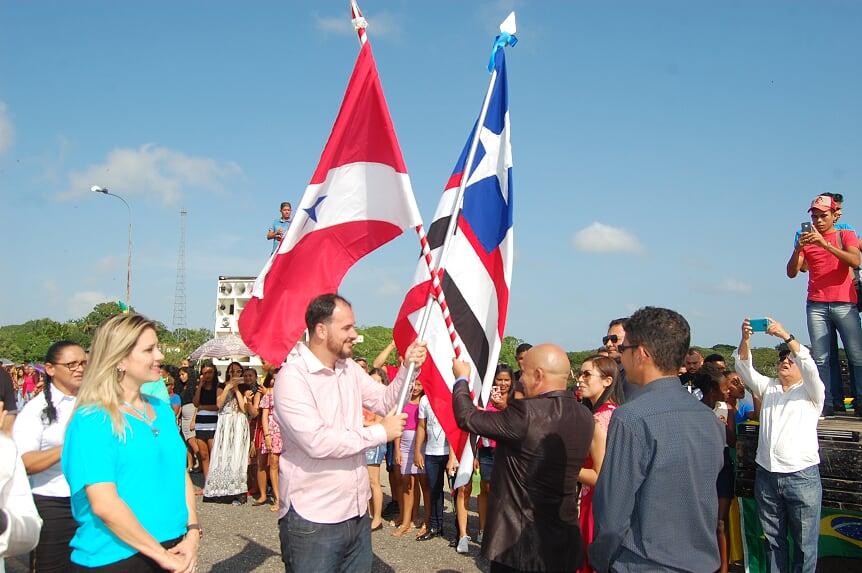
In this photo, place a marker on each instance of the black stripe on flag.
(437, 232)
(469, 328)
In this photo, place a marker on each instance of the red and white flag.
(359, 198)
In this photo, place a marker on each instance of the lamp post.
(104, 191)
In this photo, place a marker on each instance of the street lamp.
(104, 191)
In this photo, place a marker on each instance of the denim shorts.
(486, 463)
(375, 456)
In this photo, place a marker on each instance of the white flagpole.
(359, 23)
(453, 222)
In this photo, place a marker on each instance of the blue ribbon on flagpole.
(502, 39)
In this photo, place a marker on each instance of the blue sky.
(664, 152)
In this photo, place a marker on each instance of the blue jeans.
(843, 316)
(309, 547)
(435, 468)
(789, 502)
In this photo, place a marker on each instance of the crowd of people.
(625, 464)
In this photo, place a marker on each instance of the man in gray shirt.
(655, 504)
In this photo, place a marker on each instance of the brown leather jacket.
(542, 443)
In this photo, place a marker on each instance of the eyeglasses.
(73, 365)
(612, 338)
(623, 347)
(786, 357)
(585, 374)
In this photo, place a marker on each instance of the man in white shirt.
(787, 487)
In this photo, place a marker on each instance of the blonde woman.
(125, 461)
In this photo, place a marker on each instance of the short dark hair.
(663, 332)
(523, 347)
(286, 204)
(320, 310)
(619, 321)
(708, 379)
(714, 357)
(692, 351)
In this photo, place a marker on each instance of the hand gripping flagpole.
(506, 37)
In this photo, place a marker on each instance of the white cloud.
(601, 238)
(389, 287)
(7, 130)
(380, 25)
(733, 286)
(726, 286)
(83, 302)
(106, 263)
(155, 171)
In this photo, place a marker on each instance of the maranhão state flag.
(478, 271)
(359, 198)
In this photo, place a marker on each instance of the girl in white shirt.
(38, 432)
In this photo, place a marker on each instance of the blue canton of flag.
(488, 196)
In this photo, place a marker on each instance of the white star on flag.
(492, 163)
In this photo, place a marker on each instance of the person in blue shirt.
(279, 227)
(125, 461)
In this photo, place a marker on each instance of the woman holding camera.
(229, 457)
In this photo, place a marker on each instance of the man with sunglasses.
(615, 338)
(787, 486)
(829, 254)
(652, 508)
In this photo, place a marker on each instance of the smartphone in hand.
(806, 227)
(759, 324)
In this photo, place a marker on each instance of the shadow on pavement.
(246, 559)
(379, 566)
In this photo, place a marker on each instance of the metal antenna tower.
(179, 321)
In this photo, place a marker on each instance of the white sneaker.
(463, 545)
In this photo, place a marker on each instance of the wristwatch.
(197, 526)
(789, 339)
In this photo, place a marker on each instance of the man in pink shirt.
(319, 396)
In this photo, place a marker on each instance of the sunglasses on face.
(623, 347)
(610, 338)
(786, 357)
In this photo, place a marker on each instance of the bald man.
(542, 442)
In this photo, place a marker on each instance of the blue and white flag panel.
(478, 267)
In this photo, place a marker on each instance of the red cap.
(822, 203)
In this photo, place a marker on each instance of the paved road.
(245, 538)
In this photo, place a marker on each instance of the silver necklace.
(145, 418)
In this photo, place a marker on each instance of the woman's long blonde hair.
(100, 388)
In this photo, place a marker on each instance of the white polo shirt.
(33, 434)
(788, 419)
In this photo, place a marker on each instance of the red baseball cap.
(822, 203)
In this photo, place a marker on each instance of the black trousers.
(58, 528)
(137, 563)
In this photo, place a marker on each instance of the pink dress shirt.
(322, 465)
